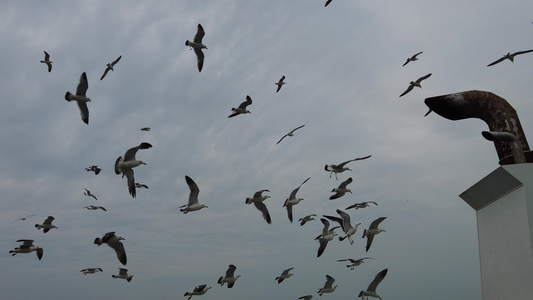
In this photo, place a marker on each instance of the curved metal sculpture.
(499, 115)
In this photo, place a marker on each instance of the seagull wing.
(39, 253)
(48, 220)
(419, 80)
(410, 88)
(84, 111)
(83, 85)
(497, 61)
(297, 128)
(131, 182)
(231, 271)
(199, 58)
(345, 183)
(46, 56)
(338, 220)
(329, 281)
(379, 277)
(293, 194)
(282, 139)
(199, 34)
(262, 207)
(246, 103)
(116, 60)
(259, 193)
(193, 196)
(130, 154)
(121, 253)
(376, 222)
(321, 247)
(289, 209)
(123, 272)
(521, 52)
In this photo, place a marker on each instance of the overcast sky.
(344, 74)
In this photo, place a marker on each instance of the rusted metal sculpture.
(500, 116)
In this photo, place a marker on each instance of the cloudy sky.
(344, 74)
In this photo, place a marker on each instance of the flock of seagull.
(125, 164)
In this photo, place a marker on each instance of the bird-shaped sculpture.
(284, 275)
(508, 56)
(371, 290)
(291, 133)
(412, 58)
(341, 167)
(81, 98)
(197, 45)
(292, 200)
(257, 200)
(125, 165)
(342, 189)
(47, 61)
(230, 277)
(110, 66)
(372, 230)
(346, 225)
(242, 108)
(280, 83)
(193, 204)
(27, 246)
(113, 241)
(416, 83)
(47, 224)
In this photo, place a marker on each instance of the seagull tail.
(68, 96)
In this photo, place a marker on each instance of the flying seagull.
(257, 200)
(326, 236)
(47, 224)
(123, 274)
(110, 67)
(125, 165)
(354, 262)
(416, 83)
(23, 218)
(141, 185)
(91, 271)
(80, 97)
(509, 56)
(280, 83)
(284, 275)
(292, 200)
(306, 219)
(290, 133)
(341, 167)
(47, 61)
(193, 204)
(230, 277)
(242, 108)
(412, 58)
(199, 290)
(371, 231)
(346, 225)
(145, 129)
(93, 207)
(113, 241)
(361, 205)
(197, 45)
(342, 189)
(89, 194)
(27, 247)
(371, 290)
(94, 169)
(328, 286)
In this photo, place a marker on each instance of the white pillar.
(503, 201)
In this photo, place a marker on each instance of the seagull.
(230, 277)
(140, 185)
(242, 108)
(23, 218)
(47, 61)
(27, 247)
(91, 271)
(145, 129)
(361, 205)
(47, 224)
(416, 83)
(113, 241)
(92, 207)
(412, 58)
(125, 165)
(94, 169)
(306, 297)
(289, 134)
(509, 56)
(328, 286)
(197, 45)
(371, 290)
(110, 67)
(327, 235)
(280, 83)
(193, 204)
(284, 275)
(292, 200)
(328, 2)
(123, 274)
(354, 262)
(80, 97)
(199, 290)
(342, 189)
(341, 167)
(371, 231)
(257, 200)
(88, 193)
(346, 225)
(306, 219)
